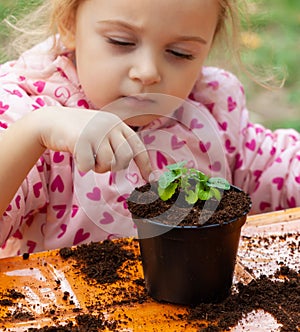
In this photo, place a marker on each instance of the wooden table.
(55, 292)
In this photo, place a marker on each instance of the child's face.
(128, 47)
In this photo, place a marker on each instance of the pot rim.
(191, 226)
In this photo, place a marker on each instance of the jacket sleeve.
(15, 102)
(265, 164)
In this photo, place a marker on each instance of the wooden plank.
(276, 217)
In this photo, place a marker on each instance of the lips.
(139, 99)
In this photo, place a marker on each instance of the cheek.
(182, 78)
(192, 76)
(93, 82)
(186, 84)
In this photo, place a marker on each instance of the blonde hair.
(58, 16)
(46, 20)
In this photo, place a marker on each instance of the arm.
(269, 165)
(21, 147)
(84, 133)
(265, 164)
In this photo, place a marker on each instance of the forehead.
(173, 15)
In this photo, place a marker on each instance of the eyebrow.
(135, 27)
(120, 23)
(192, 38)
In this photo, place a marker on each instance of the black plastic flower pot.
(189, 264)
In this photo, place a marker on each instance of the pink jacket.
(58, 206)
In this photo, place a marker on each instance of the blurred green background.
(271, 40)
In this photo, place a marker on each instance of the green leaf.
(202, 177)
(167, 193)
(217, 182)
(193, 182)
(191, 197)
(165, 179)
(204, 195)
(178, 166)
(216, 193)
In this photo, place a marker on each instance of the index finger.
(140, 153)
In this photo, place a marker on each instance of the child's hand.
(98, 140)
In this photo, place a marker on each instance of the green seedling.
(195, 184)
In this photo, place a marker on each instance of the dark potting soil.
(280, 298)
(98, 262)
(144, 202)
(84, 323)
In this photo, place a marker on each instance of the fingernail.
(154, 176)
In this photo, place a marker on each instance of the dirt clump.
(98, 262)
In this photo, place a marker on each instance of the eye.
(181, 54)
(120, 42)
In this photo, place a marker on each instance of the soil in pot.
(145, 202)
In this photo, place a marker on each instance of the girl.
(82, 113)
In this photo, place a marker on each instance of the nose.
(145, 69)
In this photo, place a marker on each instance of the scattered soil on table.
(9, 296)
(99, 262)
(84, 323)
(144, 202)
(280, 298)
(277, 294)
